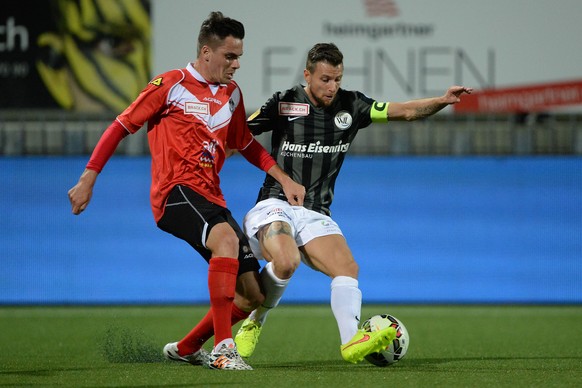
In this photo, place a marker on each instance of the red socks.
(198, 336)
(238, 315)
(222, 274)
(205, 329)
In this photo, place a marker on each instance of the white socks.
(346, 301)
(346, 305)
(274, 289)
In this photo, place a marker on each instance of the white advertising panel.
(393, 49)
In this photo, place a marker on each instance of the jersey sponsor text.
(293, 109)
(191, 107)
(315, 148)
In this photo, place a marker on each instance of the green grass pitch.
(450, 346)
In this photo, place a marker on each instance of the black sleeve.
(363, 107)
(264, 119)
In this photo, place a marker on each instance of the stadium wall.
(394, 50)
(424, 230)
(456, 135)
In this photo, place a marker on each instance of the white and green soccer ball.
(397, 348)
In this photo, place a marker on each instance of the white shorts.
(305, 224)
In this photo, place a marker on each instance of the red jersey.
(190, 122)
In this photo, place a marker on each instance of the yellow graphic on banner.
(99, 59)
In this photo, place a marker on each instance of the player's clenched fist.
(80, 194)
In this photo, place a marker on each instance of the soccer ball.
(397, 349)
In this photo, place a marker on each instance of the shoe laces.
(232, 354)
(227, 351)
(250, 328)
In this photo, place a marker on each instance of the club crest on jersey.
(293, 109)
(208, 152)
(343, 120)
(196, 108)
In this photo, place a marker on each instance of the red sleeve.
(257, 155)
(106, 146)
(239, 135)
(151, 101)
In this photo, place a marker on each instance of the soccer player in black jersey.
(312, 128)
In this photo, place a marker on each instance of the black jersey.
(310, 143)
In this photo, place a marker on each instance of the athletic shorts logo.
(276, 212)
(343, 120)
(247, 252)
(293, 109)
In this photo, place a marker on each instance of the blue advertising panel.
(424, 230)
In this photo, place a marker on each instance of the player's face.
(223, 60)
(323, 83)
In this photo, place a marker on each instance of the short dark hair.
(218, 27)
(323, 52)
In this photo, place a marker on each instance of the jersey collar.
(213, 86)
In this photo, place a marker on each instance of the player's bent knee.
(285, 266)
(224, 243)
(354, 268)
(231, 242)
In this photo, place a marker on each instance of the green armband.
(379, 112)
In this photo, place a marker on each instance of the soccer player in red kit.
(194, 116)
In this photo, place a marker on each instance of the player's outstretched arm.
(421, 108)
(80, 194)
